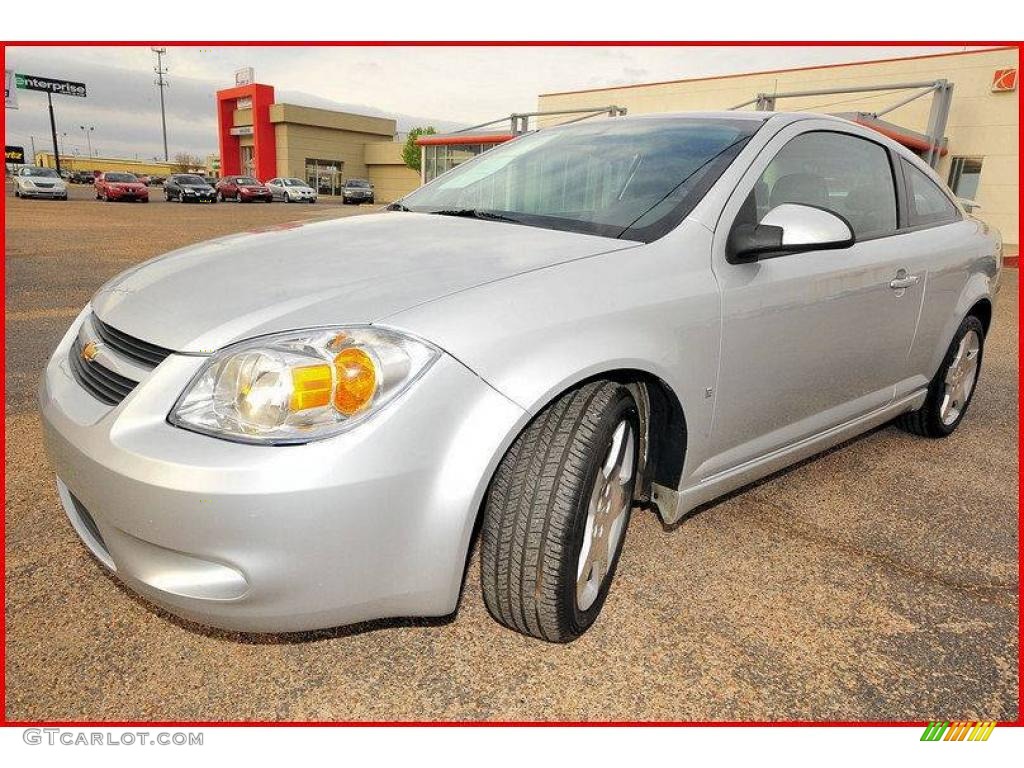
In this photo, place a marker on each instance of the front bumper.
(58, 194)
(125, 194)
(369, 524)
(205, 197)
(255, 195)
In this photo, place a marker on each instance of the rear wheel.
(557, 512)
(952, 389)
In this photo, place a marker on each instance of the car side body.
(737, 368)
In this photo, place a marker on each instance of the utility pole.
(53, 132)
(161, 70)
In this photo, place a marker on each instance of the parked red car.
(242, 189)
(120, 186)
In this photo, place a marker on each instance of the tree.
(185, 162)
(411, 152)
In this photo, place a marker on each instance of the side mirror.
(969, 205)
(788, 228)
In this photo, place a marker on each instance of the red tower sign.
(264, 147)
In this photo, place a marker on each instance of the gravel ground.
(875, 582)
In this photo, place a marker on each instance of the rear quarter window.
(927, 204)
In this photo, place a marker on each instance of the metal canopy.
(931, 144)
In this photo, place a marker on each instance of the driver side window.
(844, 174)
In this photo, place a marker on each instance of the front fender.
(654, 309)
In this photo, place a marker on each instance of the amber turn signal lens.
(311, 387)
(356, 380)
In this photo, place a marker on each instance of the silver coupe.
(303, 428)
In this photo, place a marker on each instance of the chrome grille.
(142, 352)
(100, 382)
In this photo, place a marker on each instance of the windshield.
(122, 178)
(189, 180)
(293, 183)
(357, 183)
(247, 181)
(45, 173)
(633, 179)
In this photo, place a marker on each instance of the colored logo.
(1004, 80)
(89, 351)
(959, 731)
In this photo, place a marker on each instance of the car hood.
(347, 271)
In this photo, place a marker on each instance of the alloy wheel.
(960, 378)
(606, 516)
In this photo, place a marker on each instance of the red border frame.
(1006, 45)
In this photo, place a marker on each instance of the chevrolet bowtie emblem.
(89, 351)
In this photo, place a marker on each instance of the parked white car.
(291, 190)
(302, 428)
(32, 181)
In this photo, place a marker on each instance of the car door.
(811, 340)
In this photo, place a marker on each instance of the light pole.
(88, 136)
(161, 70)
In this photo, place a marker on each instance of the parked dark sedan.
(242, 189)
(188, 188)
(357, 191)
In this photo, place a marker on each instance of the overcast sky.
(448, 87)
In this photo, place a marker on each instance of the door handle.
(903, 280)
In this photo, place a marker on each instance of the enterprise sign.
(48, 85)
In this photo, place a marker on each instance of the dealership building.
(262, 138)
(958, 110)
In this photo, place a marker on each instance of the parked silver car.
(301, 428)
(291, 190)
(32, 181)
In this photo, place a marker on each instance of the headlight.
(300, 386)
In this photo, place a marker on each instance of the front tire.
(557, 512)
(952, 389)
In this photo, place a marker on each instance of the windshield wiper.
(396, 206)
(475, 213)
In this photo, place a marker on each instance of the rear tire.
(952, 389)
(557, 511)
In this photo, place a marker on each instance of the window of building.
(964, 176)
(325, 176)
(928, 205)
(441, 158)
(841, 173)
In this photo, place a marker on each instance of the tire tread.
(530, 506)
